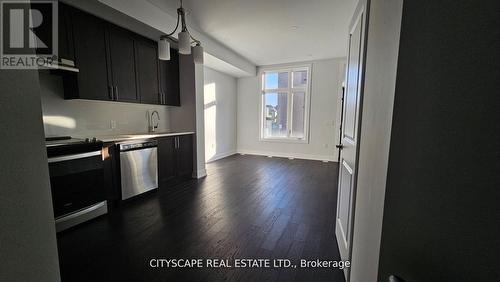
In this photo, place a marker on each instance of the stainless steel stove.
(76, 170)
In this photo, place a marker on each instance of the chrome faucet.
(153, 126)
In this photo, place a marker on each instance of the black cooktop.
(64, 145)
(68, 140)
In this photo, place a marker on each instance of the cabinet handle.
(110, 92)
(116, 92)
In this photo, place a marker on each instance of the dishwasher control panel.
(138, 145)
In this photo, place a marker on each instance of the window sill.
(284, 140)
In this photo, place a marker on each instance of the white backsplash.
(92, 118)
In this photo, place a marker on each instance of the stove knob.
(94, 140)
(87, 140)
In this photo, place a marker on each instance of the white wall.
(220, 114)
(28, 249)
(200, 122)
(378, 100)
(92, 118)
(323, 134)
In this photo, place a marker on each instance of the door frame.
(361, 13)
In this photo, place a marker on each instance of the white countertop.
(127, 137)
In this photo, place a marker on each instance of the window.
(285, 104)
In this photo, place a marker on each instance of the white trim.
(221, 156)
(289, 155)
(285, 140)
(199, 173)
(290, 90)
(287, 67)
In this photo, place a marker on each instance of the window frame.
(290, 90)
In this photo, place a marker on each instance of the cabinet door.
(122, 61)
(66, 48)
(90, 56)
(147, 72)
(184, 155)
(169, 80)
(166, 160)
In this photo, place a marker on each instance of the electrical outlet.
(112, 124)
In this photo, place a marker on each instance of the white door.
(350, 136)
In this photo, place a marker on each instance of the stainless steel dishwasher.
(139, 167)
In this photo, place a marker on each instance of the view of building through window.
(285, 94)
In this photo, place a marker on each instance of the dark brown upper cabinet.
(169, 80)
(147, 71)
(66, 42)
(115, 64)
(122, 61)
(90, 54)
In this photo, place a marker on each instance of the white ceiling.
(272, 31)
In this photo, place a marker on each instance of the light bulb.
(163, 49)
(184, 43)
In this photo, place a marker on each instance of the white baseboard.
(289, 155)
(199, 173)
(221, 156)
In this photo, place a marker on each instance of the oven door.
(77, 181)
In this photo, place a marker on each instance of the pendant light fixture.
(185, 40)
(184, 43)
(198, 54)
(164, 49)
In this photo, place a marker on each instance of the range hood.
(63, 65)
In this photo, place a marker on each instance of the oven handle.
(74, 156)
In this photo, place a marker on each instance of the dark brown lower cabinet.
(175, 159)
(112, 173)
(184, 155)
(166, 159)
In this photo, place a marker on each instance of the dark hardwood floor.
(247, 207)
